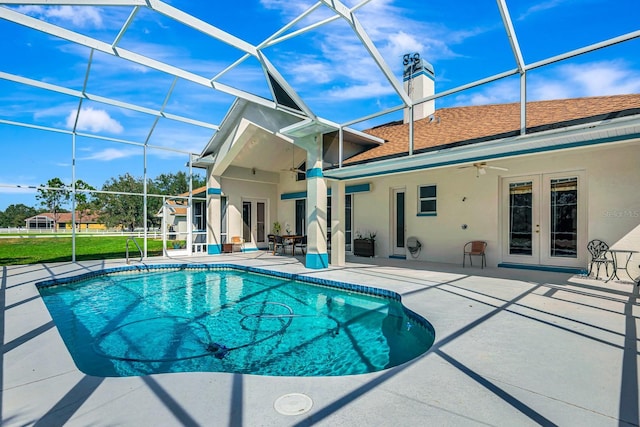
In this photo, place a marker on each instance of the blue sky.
(464, 41)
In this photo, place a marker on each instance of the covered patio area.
(513, 347)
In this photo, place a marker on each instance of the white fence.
(11, 232)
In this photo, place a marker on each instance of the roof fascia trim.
(508, 147)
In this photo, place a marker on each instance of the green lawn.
(58, 249)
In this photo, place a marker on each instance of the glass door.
(564, 222)
(254, 222)
(543, 220)
(247, 220)
(522, 220)
(398, 223)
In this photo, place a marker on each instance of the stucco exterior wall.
(287, 208)
(469, 207)
(612, 201)
(83, 226)
(237, 190)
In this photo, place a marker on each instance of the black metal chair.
(475, 248)
(271, 240)
(278, 242)
(598, 250)
(302, 244)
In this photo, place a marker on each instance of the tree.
(84, 200)
(174, 184)
(199, 180)
(127, 210)
(15, 215)
(122, 209)
(170, 184)
(53, 196)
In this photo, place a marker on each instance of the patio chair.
(475, 248)
(278, 242)
(302, 244)
(271, 238)
(237, 241)
(598, 250)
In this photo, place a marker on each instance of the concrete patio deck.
(513, 347)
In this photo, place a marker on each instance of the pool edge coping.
(345, 286)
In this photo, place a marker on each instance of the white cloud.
(340, 56)
(548, 89)
(14, 190)
(401, 43)
(109, 154)
(178, 137)
(310, 70)
(590, 79)
(54, 111)
(364, 91)
(564, 81)
(286, 6)
(497, 93)
(81, 17)
(539, 7)
(94, 120)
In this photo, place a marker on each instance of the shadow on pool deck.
(513, 347)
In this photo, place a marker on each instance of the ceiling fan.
(293, 168)
(481, 168)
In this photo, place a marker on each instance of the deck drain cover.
(293, 404)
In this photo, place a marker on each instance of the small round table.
(614, 255)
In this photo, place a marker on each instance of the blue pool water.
(212, 319)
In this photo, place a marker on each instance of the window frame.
(423, 199)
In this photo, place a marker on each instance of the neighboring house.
(174, 215)
(42, 222)
(537, 193)
(85, 221)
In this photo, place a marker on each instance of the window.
(427, 200)
(348, 217)
(328, 220)
(301, 217)
(198, 216)
(301, 175)
(223, 219)
(347, 223)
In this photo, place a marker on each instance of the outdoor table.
(293, 238)
(616, 266)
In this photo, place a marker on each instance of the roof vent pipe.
(419, 82)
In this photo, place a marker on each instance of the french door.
(254, 222)
(543, 219)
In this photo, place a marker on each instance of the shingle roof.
(196, 191)
(86, 217)
(466, 125)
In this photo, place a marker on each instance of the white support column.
(317, 256)
(337, 223)
(214, 243)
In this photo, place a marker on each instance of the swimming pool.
(140, 320)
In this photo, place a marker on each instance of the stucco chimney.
(419, 82)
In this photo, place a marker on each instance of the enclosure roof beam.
(273, 41)
(160, 7)
(265, 42)
(79, 2)
(606, 43)
(511, 34)
(27, 21)
(92, 136)
(203, 27)
(102, 99)
(347, 14)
